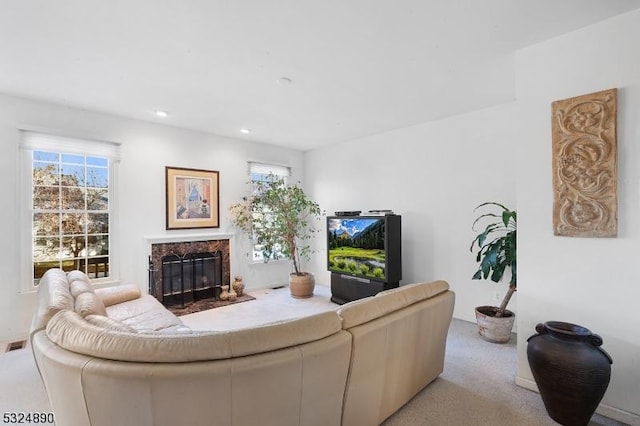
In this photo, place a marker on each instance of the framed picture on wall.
(192, 198)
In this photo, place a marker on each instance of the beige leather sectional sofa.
(115, 357)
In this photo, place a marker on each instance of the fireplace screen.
(188, 278)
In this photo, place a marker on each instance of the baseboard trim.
(619, 415)
(527, 384)
(276, 286)
(603, 409)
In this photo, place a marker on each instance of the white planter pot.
(492, 328)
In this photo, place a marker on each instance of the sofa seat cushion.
(70, 331)
(367, 309)
(144, 314)
(177, 328)
(108, 323)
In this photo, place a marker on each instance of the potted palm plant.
(496, 252)
(281, 219)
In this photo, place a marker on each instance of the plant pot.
(492, 328)
(301, 286)
(571, 370)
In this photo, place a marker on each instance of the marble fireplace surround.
(158, 247)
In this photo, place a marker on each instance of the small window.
(261, 172)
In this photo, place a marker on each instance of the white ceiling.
(358, 67)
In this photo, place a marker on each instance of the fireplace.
(181, 272)
(188, 278)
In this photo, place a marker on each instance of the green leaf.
(496, 244)
(498, 272)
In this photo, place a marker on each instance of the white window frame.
(265, 169)
(31, 141)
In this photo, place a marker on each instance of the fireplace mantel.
(183, 238)
(179, 238)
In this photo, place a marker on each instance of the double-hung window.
(68, 197)
(261, 172)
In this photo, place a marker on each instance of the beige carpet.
(476, 388)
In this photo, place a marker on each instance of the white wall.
(434, 175)
(587, 281)
(146, 149)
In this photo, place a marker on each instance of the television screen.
(356, 246)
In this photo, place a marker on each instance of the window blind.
(39, 141)
(265, 169)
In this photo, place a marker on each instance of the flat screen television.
(365, 246)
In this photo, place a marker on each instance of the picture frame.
(192, 198)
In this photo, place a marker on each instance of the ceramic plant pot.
(492, 328)
(301, 286)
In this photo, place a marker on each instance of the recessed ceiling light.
(284, 81)
(245, 131)
(161, 113)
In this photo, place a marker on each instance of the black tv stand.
(345, 288)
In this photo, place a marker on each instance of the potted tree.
(496, 252)
(281, 219)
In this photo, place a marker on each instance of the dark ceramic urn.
(571, 370)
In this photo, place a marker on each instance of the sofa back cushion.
(77, 275)
(368, 309)
(77, 287)
(71, 331)
(53, 296)
(89, 304)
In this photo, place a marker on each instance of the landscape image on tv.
(356, 246)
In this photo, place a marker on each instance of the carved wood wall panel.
(585, 201)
